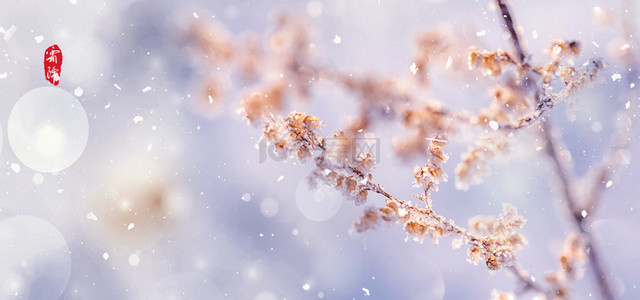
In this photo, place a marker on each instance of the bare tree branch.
(563, 172)
(508, 22)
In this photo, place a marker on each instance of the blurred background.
(154, 197)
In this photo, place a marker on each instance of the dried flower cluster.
(559, 49)
(502, 237)
(496, 295)
(474, 165)
(509, 102)
(422, 123)
(429, 176)
(296, 137)
(572, 256)
(491, 63)
(428, 44)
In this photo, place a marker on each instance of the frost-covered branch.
(296, 137)
(567, 182)
(513, 35)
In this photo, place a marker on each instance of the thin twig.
(508, 22)
(563, 173)
(543, 107)
(527, 282)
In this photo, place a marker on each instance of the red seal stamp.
(53, 64)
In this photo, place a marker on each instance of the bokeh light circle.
(34, 259)
(48, 129)
(269, 207)
(319, 204)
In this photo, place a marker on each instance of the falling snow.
(92, 216)
(616, 76)
(337, 39)
(413, 68)
(8, 33)
(138, 119)
(493, 125)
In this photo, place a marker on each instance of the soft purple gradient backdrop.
(215, 245)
